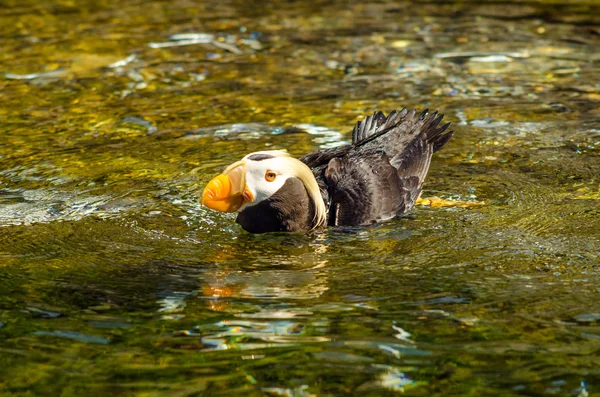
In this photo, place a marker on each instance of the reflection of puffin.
(377, 177)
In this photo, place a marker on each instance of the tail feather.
(442, 139)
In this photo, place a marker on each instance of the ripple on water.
(76, 336)
(323, 136)
(114, 281)
(43, 206)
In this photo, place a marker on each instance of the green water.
(114, 281)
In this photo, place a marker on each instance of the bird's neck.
(290, 209)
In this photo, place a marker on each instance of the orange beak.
(228, 191)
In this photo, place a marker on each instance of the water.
(114, 281)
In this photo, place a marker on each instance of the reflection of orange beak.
(227, 192)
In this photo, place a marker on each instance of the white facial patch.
(284, 166)
(256, 171)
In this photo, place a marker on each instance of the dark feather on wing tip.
(431, 118)
(435, 121)
(423, 114)
(439, 143)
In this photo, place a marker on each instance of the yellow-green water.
(114, 281)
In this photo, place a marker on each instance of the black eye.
(270, 176)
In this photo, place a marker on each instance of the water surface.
(114, 281)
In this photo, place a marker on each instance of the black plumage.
(381, 173)
(377, 177)
(290, 209)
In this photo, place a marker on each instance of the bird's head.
(257, 177)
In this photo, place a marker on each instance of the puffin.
(379, 176)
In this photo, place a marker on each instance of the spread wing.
(381, 173)
(392, 134)
(377, 122)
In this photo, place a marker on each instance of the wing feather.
(380, 175)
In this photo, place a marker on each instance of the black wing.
(381, 173)
(377, 122)
(392, 134)
(399, 130)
